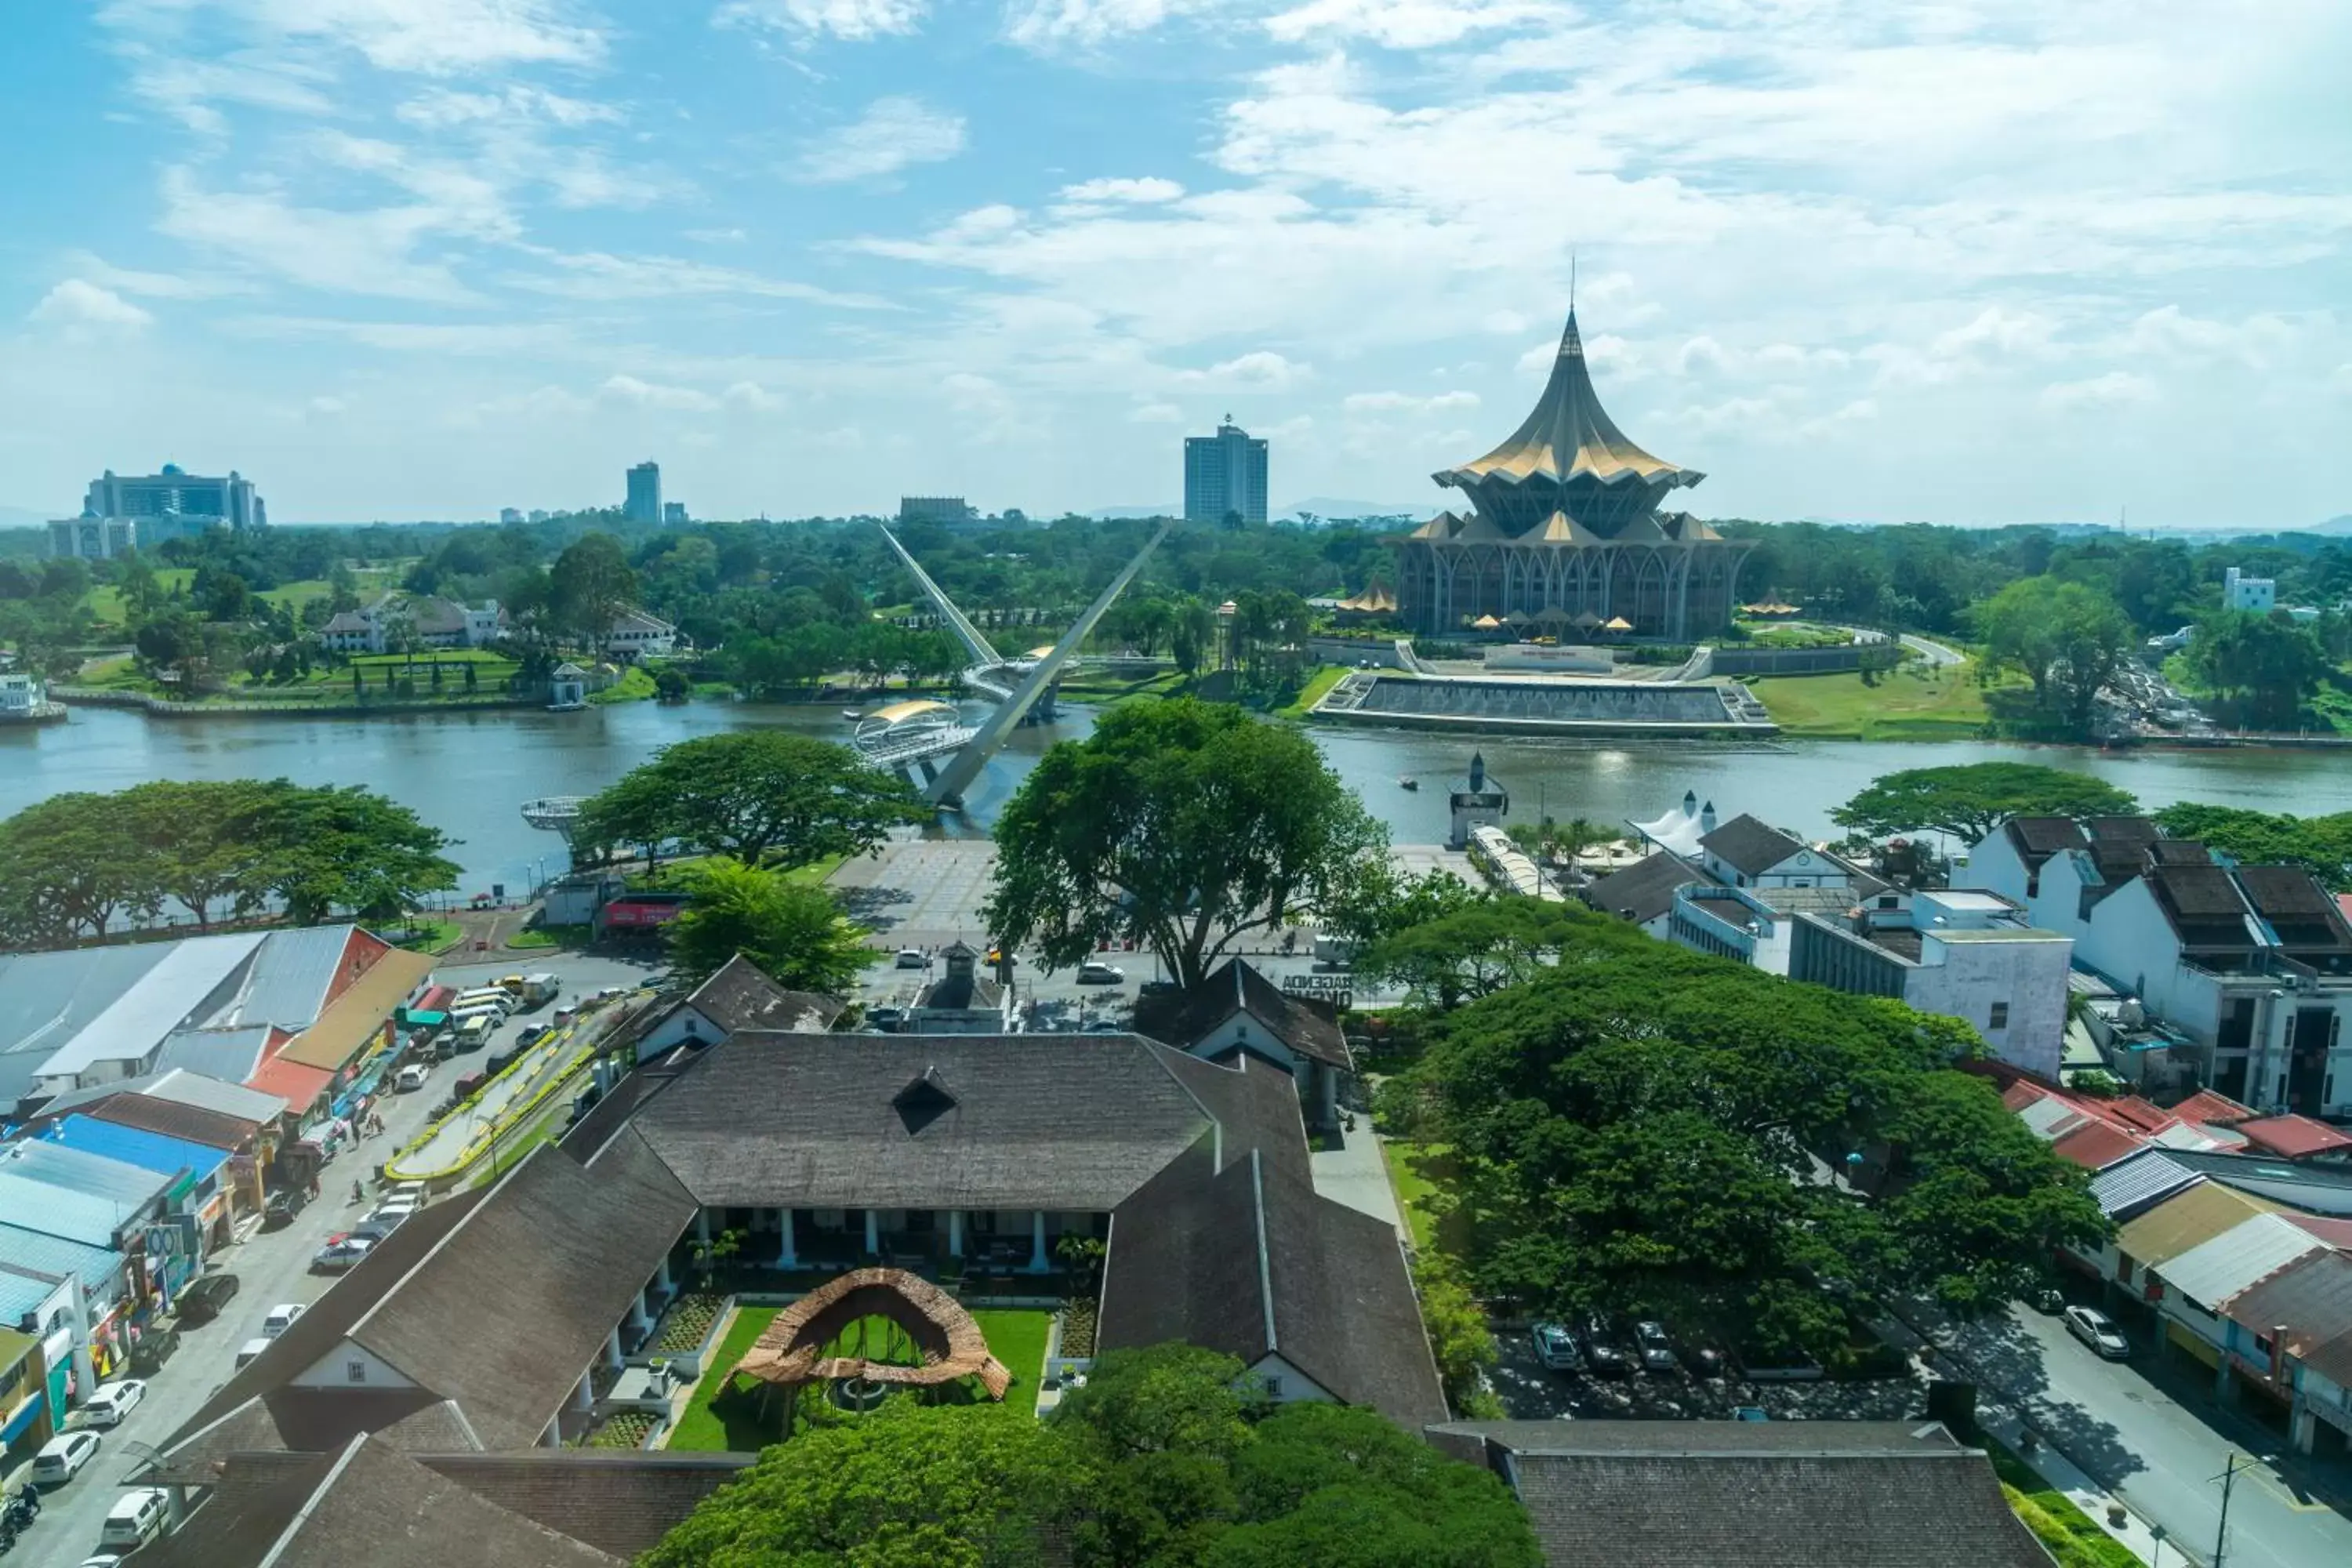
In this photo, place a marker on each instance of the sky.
(1879, 260)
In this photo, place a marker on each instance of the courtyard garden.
(730, 1411)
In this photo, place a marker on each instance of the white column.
(637, 1318)
(1038, 1241)
(702, 1226)
(553, 1436)
(612, 1350)
(955, 1233)
(786, 1258)
(584, 1397)
(873, 1232)
(662, 1279)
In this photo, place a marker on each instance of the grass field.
(1914, 702)
(1419, 1172)
(2072, 1536)
(712, 1424)
(1318, 685)
(435, 936)
(634, 686)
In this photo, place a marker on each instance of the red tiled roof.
(2097, 1146)
(2294, 1137)
(291, 1081)
(2218, 1110)
(2335, 1231)
(2136, 1111)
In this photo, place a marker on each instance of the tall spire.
(1572, 290)
(1569, 434)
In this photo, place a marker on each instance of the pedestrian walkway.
(1355, 1174)
(2085, 1493)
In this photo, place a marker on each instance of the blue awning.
(27, 1413)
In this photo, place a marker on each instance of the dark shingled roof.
(1640, 892)
(2203, 905)
(2036, 838)
(1748, 844)
(1800, 1494)
(617, 1502)
(2301, 912)
(553, 1250)
(1249, 1260)
(739, 995)
(2121, 845)
(1309, 1029)
(365, 1503)
(1050, 1121)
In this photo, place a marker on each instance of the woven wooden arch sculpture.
(787, 1355)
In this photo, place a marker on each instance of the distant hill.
(2334, 527)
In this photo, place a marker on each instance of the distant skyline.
(1965, 263)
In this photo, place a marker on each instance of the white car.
(111, 1403)
(913, 958)
(1101, 974)
(2098, 1331)
(281, 1318)
(62, 1458)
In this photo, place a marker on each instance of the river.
(467, 773)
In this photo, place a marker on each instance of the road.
(272, 1267)
(2160, 1457)
(1933, 652)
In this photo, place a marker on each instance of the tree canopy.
(1641, 1128)
(1180, 825)
(1969, 800)
(1472, 951)
(795, 931)
(590, 583)
(2068, 638)
(2323, 844)
(2263, 667)
(75, 864)
(1166, 1458)
(756, 795)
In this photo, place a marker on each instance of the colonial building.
(1564, 533)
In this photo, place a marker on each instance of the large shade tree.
(1641, 1128)
(761, 795)
(793, 931)
(1179, 826)
(2068, 638)
(1969, 800)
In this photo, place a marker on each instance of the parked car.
(111, 1402)
(1703, 1359)
(1556, 1348)
(281, 1318)
(283, 1205)
(913, 958)
(1092, 973)
(62, 1458)
(1603, 1357)
(340, 1252)
(411, 1078)
(2098, 1331)
(1657, 1350)
(137, 1518)
(202, 1301)
(250, 1351)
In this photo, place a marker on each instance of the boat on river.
(1408, 781)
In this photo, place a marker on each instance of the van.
(412, 1077)
(136, 1518)
(489, 996)
(474, 1030)
(248, 1351)
(538, 990)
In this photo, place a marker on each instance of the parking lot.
(1531, 1391)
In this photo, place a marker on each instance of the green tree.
(2321, 844)
(1471, 951)
(349, 849)
(1969, 800)
(590, 583)
(756, 795)
(1381, 901)
(204, 841)
(71, 864)
(907, 1487)
(795, 932)
(1181, 825)
(2263, 667)
(2069, 640)
(1459, 1339)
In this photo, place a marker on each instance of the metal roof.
(61, 1211)
(46, 999)
(184, 1088)
(137, 1146)
(2238, 1258)
(36, 1263)
(288, 982)
(2127, 1187)
(2189, 1218)
(227, 1055)
(2050, 1117)
(154, 1004)
(127, 1185)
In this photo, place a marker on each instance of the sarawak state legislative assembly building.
(1565, 535)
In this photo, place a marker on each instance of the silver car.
(2098, 1331)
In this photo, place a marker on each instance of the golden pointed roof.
(1569, 434)
(1562, 528)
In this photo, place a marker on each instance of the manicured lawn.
(711, 1424)
(634, 686)
(1419, 1172)
(1912, 702)
(534, 938)
(1317, 686)
(2072, 1536)
(817, 872)
(433, 936)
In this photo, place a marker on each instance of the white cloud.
(425, 38)
(1048, 25)
(1146, 190)
(856, 20)
(1160, 413)
(649, 394)
(364, 251)
(2115, 389)
(894, 133)
(717, 236)
(1995, 331)
(444, 109)
(1401, 24)
(1701, 354)
(75, 303)
(752, 397)
(1406, 403)
(594, 275)
(1261, 370)
(329, 407)
(2256, 341)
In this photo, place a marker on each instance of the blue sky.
(1901, 260)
